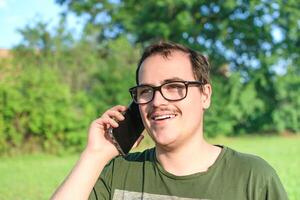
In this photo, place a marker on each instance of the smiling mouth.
(163, 117)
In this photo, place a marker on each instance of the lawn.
(35, 177)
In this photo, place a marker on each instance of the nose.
(158, 99)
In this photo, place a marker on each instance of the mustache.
(161, 109)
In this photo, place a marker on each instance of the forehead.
(158, 68)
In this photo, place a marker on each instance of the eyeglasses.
(171, 91)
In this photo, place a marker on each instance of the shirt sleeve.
(274, 189)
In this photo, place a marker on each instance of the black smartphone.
(129, 130)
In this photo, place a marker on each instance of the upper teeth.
(163, 117)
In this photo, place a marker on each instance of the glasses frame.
(158, 88)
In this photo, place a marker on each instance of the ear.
(206, 95)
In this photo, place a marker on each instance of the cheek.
(192, 107)
(143, 112)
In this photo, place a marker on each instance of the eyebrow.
(172, 79)
(166, 81)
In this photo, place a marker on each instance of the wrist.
(100, 155)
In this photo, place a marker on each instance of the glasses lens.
(143, 94)
(174, 90)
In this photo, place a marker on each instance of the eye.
(172, 86)
(144, 90)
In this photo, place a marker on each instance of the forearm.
(99, 151)
(83, 176)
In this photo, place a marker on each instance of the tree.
(50, 93)
(245, 38)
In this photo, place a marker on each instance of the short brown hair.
(199, 62)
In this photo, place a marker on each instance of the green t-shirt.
(233, 176)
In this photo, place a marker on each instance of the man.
(173, 92)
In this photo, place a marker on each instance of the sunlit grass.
(32, 176)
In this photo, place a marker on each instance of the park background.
(54, 82)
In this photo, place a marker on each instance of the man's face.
(185, 123)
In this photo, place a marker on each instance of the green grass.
(35, 177)
(32, 177)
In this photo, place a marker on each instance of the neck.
(196, 156)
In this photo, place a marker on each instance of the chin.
(164, 138)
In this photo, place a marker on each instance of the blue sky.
(16, 14)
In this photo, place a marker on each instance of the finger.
(119, 108)
(139, 140)
(106, 122)
(115, 115)
(108, 118)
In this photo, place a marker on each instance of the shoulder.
(249, 163)
(259, 176)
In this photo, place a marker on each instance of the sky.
(15, 14)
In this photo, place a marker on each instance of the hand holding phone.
(98, 139)
(129, 130)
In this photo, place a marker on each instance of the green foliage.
(237, 35)
(36, 106)
(48, 99)
(240, 27)
(286, 117)
(234, 104)
(55, 85)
